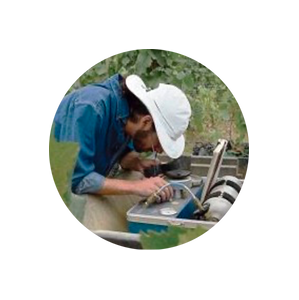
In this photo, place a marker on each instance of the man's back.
(94, 116)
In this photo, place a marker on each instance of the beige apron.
(105, 212)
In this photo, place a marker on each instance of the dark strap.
(224, 195)
(118, 154)
(228, 182)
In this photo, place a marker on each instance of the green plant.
(172, 237)
(215, 111)
(63, 156)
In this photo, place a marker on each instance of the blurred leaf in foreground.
(191, 235)
(174, 236)
(165, 240)
(63, 156)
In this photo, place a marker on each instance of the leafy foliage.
(215, 111)
(161, 240)
(191, 234)
(63, 156)
(174, 236)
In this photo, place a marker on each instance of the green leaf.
(174, 54)
(225, 115)
(188, 82)
(123, 71)
(143, 61)
(165, 240)
(224, 105)
(63, 156)
(100, 69)
(196, 121)
(197, 115)
(131, 54)
(159, 56)
(174, 238)
(125, 60)
(168, 72)
(181, 75)
(119, 55)
(191, 235)
(154, 78)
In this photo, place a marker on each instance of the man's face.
(147, 140)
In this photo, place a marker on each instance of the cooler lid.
(214, 169)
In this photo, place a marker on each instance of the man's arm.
(144, 187)
(132, 161)
(118, 187)
(87, 125)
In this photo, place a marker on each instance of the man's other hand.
(145, 164)
(132, 161)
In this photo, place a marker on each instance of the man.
(115, 120)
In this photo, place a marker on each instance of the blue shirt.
(94, 116)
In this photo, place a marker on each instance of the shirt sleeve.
(87, 125)
(90, 184)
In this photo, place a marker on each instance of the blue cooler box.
(157, 217)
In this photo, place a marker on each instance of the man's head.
(158, 118)
(140, 125)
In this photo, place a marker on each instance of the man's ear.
(146, 122)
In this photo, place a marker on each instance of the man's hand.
(148, 186)
(143, 164)
(133, 162)
(143, 187)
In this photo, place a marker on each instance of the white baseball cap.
(170, 110)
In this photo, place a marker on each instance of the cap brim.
(173, 148)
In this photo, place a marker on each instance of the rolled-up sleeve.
(87, 125)
(90, 184)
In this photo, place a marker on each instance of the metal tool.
(153, 198)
